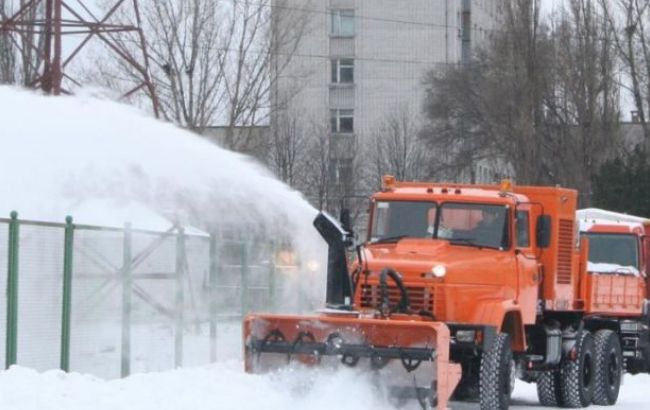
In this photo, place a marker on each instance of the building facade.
(362, 61)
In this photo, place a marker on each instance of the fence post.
(11, 347)
(127, 278)
(244, 277)
(178, 337)
(214, 272)
(272, 276)
(66, 311)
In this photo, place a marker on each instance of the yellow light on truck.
(506, 185)
(388, 182)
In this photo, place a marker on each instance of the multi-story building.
(362, 60)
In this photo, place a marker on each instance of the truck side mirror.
(646, 253)
(543, 231)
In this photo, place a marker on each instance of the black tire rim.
(512, 377)
(587, 371)
(508, 381)
(613, 372)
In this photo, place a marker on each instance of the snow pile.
(224, 386)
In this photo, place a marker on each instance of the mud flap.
(410, 358)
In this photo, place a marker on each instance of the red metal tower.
(38, 26)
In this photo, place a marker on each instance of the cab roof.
(421, 191)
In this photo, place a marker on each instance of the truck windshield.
(478, 225)
(393, 220)
(613, 253)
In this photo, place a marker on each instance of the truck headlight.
(439, 271)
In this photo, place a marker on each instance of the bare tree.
(317, 183)
(7, 51)
(21, 54)
(396, 148)
(217, 62)
(542, 97)
(632, 39)
(583, 108)
(288, 147)
(493, 103)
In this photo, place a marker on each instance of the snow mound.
(222, 386)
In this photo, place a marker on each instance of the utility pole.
(39, 26)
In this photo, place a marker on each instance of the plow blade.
(409, 358)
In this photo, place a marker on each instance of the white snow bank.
(611, 268)
(222, 386)
(225, 386)
(114, 213)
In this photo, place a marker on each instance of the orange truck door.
(527, 265)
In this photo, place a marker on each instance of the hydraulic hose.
(404, 304)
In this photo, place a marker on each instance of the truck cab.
(617, 265)
(486, 260)
(465, 255)
(616, 286)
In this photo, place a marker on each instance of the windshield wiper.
(389, 239)
(465, 242)
(470, 242)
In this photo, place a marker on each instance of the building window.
(342, 121)
(343, 71)
(340, 172)
(342, 22)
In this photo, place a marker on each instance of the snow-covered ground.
(225, 386)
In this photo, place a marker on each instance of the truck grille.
(565, 249)
(421, 298)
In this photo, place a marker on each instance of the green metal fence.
(113, 301)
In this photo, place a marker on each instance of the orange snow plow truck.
(457, 291)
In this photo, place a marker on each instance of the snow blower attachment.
(408, 354)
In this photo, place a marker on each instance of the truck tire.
(577, 373)
(609, 367)
(496, 374)
(548, 389)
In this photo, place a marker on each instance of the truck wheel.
(496, 378)
(577, 373)
(548, 389)
(609, 367)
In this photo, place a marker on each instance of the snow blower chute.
(407, 352)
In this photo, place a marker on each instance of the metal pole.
(127, 279)
(244, 278)
(214, 272)
(180, 257)
(67, 293)
(12, 291)
(57, 71)
(46, 82)
(271, 303)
